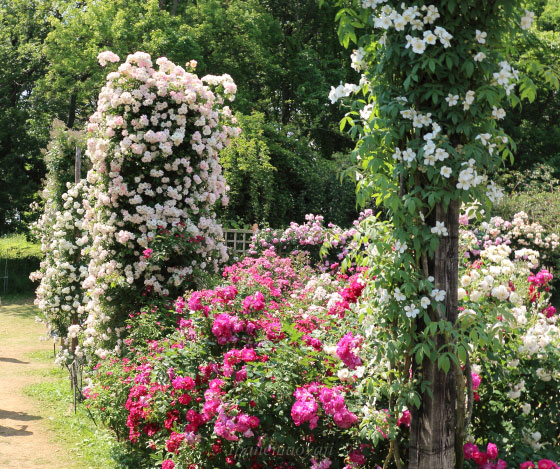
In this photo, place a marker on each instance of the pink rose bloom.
(405, 419)
(476, 380)
(167, 464)
(526, 465)
(469, 450)
(254, 302)
(324, 464)
(147, 253)
(345, 350)
(547, 463)
(241, 375)
(492, 450)
(550, 311)
(249, 355)
(357, 457)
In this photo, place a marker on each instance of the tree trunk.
(72, 111)
(432, 430)
(174, 7)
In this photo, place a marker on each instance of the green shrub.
(18, 258)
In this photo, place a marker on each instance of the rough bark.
(432, 431)
(72, 111)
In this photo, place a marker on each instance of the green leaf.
(444, 363)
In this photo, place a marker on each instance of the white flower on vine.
(430, 38)
(411, 310)
(400, 247)
(446, 171)
(479, 57)
(452, 99)
(440, 229)
(438, 295)
(498, 113)
(408, 155)
(527, 20)
(480, 36)
(398, 295)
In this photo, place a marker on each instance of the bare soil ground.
(25, 442)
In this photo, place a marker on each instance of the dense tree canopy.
(284, 56)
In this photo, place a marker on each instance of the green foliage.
(249, 173)
(22, 31)
(534, 125)
(276, 177)
(535, 192)
(17, 246)
(18, 259)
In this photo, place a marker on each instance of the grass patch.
(17, 246)
(91, 446)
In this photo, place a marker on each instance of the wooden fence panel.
(238, 241)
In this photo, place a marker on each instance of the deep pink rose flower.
(547, 463)
(405, 419)
(492, 451)
(469, 450)
(550, 311)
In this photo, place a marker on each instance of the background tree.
(283, 56)
(23, 28)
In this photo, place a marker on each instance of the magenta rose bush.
(250, 377)
(279, 365)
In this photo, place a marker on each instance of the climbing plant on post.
(426, 115)
(155, 179)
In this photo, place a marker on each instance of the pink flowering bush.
(278, 356)
(155, 178)
(247, 375)
(326, 246)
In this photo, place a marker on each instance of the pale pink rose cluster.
(153, 143)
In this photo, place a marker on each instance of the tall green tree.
(283, 57)
(535, 126)
(22, 31)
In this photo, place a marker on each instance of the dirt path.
(25, 442)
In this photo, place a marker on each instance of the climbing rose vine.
(155, 177)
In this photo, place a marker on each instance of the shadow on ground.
(8, 431)
(21, 307)
(13, 360)
(24, 417)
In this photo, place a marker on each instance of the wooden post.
(432, 430)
